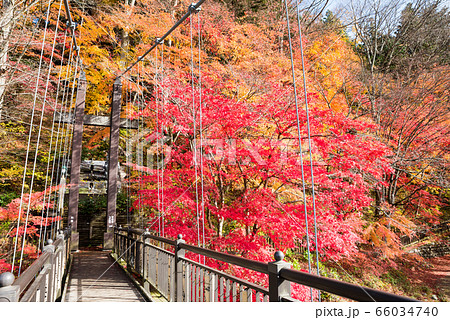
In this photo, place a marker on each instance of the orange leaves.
(99, 135)
(384, 234)
(332, 70)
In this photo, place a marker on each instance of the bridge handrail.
(42, 280)
(340, 288)
(279, 272)
(146, 235)
(229, 258)
(30, 273)
(227, 276)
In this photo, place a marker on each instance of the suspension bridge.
(134, 264)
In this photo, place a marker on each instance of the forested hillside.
(340, 159)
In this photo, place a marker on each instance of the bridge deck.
(91, 280)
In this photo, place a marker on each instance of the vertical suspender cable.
(69, 129)
(38, 141)
(128, 104)
(61, 169)
(162, 139)
(127, 156)
(201, 129)
(57, 132)
(299, 141)
(194, 143)
(29, 143)
(72, 102)
(53, 124)
(158, 186)
(140, 159)
(141, 104)
(136, 101)
(78, 63)
(309, 142)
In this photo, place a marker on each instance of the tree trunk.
(6, 22)
(220, 229)
(125, 43)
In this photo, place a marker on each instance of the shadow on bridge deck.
(91, 280)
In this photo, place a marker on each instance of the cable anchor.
(193, 9)
(71, 25)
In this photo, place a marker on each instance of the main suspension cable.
(191, 9)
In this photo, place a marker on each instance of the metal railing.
(43, 280)
(163, 265)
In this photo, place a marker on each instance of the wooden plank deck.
(91, 280)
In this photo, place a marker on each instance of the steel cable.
(201, 129)
(158, 185)
(162, 141)
(61, 169)
(57, 133)
(53, 123)
(299, 140)
(309, 142)
(194, 142)
(29, 145)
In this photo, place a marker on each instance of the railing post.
(128, 243)
(144, 258)
(51, 269)
(68, 243)
(60, 266)
(8, 292)
(278, 288)
(146, 261)
(179, 253)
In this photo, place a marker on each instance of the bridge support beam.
(76, 159)
(108, 241)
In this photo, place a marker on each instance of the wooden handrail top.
(343, 289)
(30, 273)
(225, 257)
(141, 232)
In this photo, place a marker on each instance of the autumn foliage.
(222, 163)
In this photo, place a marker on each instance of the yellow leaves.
(12, 172)
(332, 66)
(9, 127)
(98, 93)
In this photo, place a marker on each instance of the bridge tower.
(115, 123)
